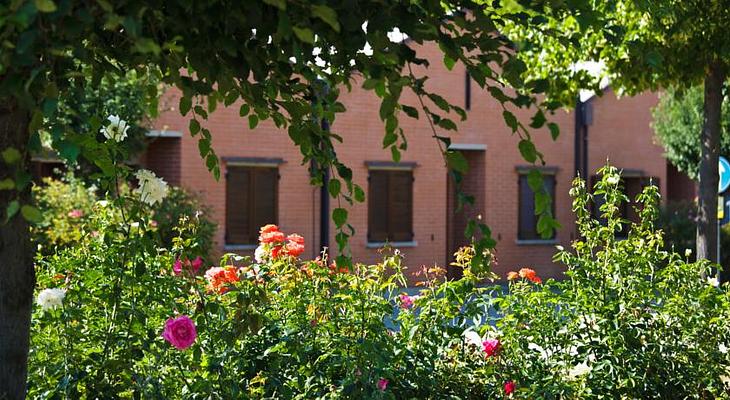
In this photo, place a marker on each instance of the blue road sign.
(724, 168)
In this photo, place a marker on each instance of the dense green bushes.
(140, 321)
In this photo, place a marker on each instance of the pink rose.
(491, 347)
(76, 213)
(180, 332)
(382, 384)
(177, 267)
(197, 263)
(193, 267)
(406, 301)
(509, 387)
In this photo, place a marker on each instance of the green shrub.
(139, 321)
(66, 207)
(631, 321)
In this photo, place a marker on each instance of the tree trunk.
(17, 277)
(710, 143)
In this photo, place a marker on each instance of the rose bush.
(119, 316)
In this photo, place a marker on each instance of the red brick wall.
(620, 131)
(163, 158)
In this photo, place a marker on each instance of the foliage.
(633, 45)
(677, 220)
(678, 120)
(271, 59)
(65, 205)
(82, 110)
(619, 326)
(179, 204)
(280, 327)
(67, 210)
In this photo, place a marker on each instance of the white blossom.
(722, 348)
(50, 298)
(259, 254)
(713, 281)
(612, 180)
(116, 130)
(151, 189)
(579, 370)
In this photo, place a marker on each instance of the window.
(251, 202)
(527, 224)
(390, 205)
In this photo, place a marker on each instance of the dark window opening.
(251, 202)
(527, 224)
(390, 206)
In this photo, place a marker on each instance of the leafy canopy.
(274, 59)
(678, 122)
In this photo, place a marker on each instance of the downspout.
(578, 140)
(324, 209)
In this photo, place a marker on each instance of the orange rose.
(512, 275)
(530, 275)
(220, 278)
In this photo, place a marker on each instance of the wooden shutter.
(265, 195)
(400, 206)
(527, 220)
(238, 201)
(378, 206)
(251, 202)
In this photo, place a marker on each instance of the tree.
(258, 54)
(642, 45)
(678, 122)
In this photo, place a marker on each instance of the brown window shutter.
(264, 210)
(238, 201)
(400, 206)
(527, 220)
(251, 202)
(378, 206)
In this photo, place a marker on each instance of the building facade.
(411, 204)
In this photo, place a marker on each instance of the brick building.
(411, 203)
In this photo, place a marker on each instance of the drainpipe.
(577, 145)
(324, 209)
(320, 89)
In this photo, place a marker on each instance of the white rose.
(579, 370)
(116, 130)
(259, 254)
(50, 298)
(151, 189)
(612, 180)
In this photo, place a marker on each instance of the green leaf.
(204, 147)
(327, 15)
(410, 111)
(538, 120)
(439, 101)
(186, 103)
(510, 120)
(244, 110)
(304, 34)
(280, 4)
(30, 213)
(7, 184)
(46, 6)
(387, 107)
(449, 62)
(456, 161)
(339, 215)
(333, 187)
(253, 120)
(395, 154)
(194, 127)
(447, 124)
(11, 155)
(12, 209)
(528, 150)
(554, 130)
(534, 180)
(359, 194)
